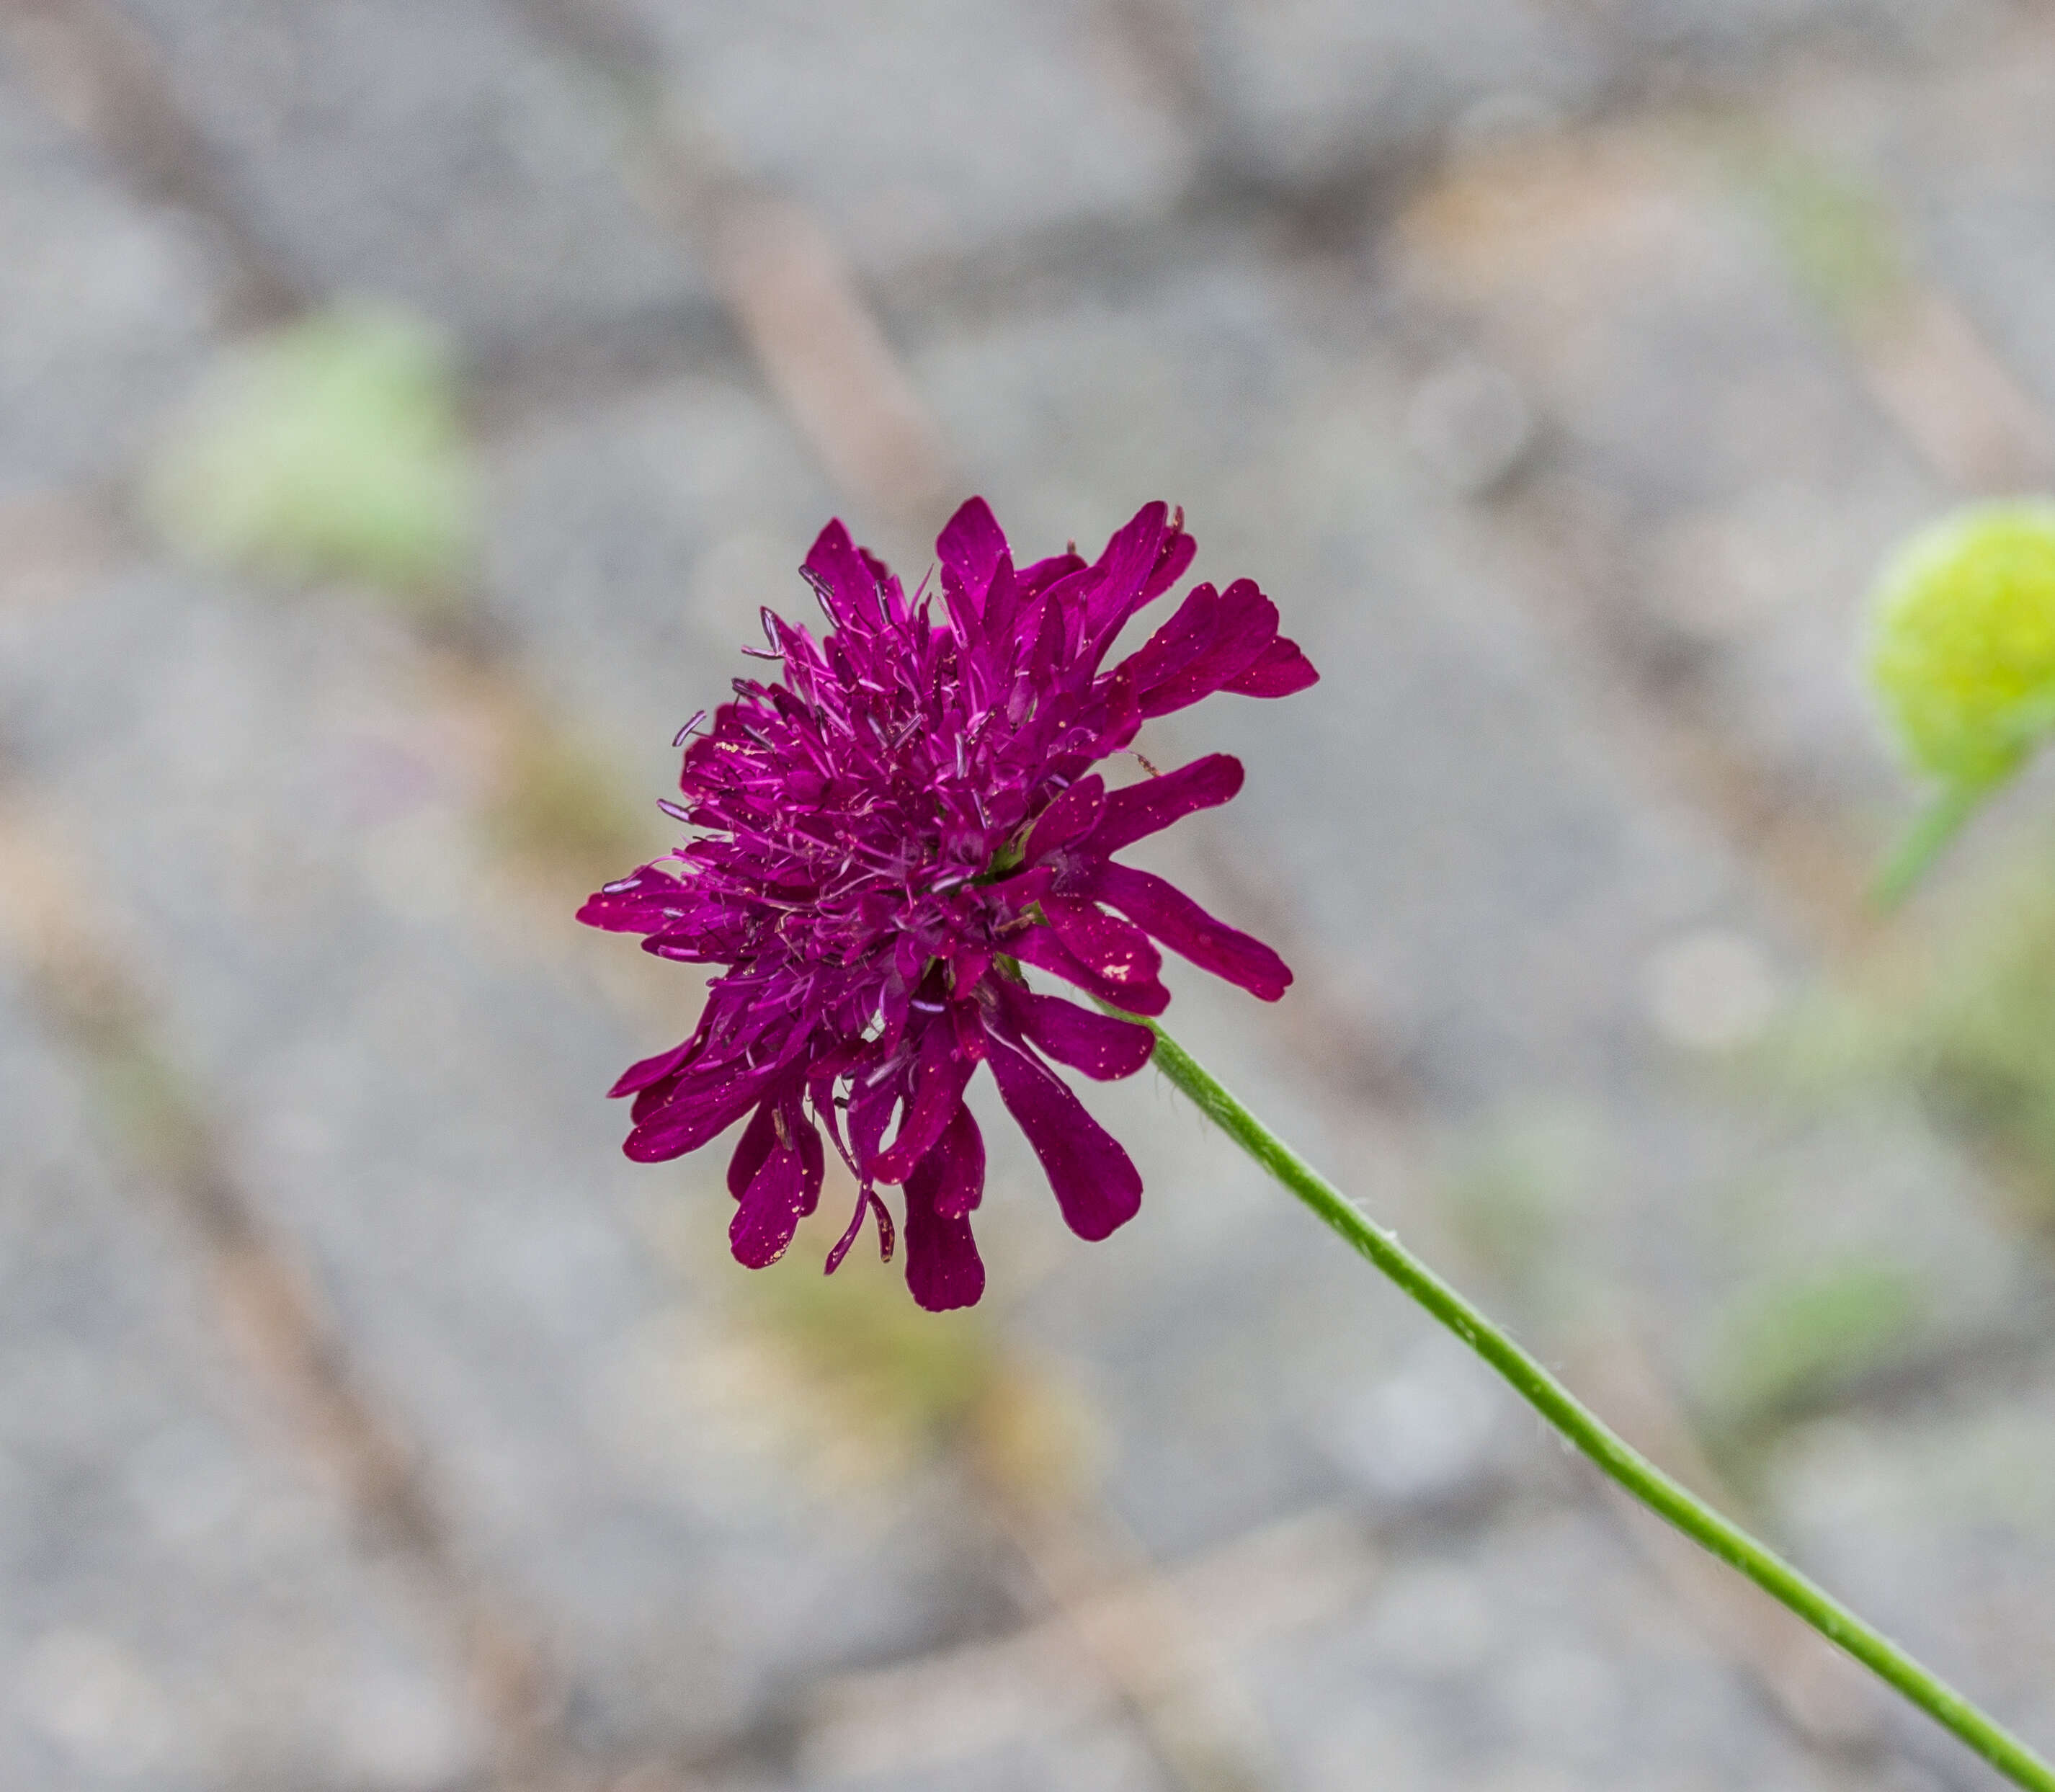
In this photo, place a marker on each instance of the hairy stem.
(1613, 1453)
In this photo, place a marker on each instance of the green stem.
(1928, 838)
(1625, 1465)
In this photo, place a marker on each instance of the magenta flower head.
(888, 832)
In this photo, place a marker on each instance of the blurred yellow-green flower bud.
(1962, 645)
(1961, 654)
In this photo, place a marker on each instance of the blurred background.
(404, 407)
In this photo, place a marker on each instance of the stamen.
(863, 1200)
(884, 1232)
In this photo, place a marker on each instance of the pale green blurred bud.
(1961, 647)
(330, 449)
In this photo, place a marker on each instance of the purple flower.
(888, 832)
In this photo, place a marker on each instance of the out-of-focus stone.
(417, 1098)
(436, 156)
(1716, 36)
(182, 1605)
(1935, 1522)
(923, 130)
(632, 545)
(1716, 478)
(1468, 422)
(1530, 1654)
(104, 304)
(1311, 91)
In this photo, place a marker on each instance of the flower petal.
(1142, 560)
(1220, 643)
(1280, 670)
(1181, 924)
(1142, 809)
(1173, 559)
(971, 545)
(844, 583)
(942, 1075)
(1070, 818)
(758, 1139)
(1036, 578)
(943, 1269)
(640, 1074)
(813, 1160)
(1102, 1047)
(1118, 574)
(1177, 642)
(1096, 1185)
(959, 1159)
(644, 902)
(783, 1190)
(695, 1113)
(1113, 949)
(870, 1105)
(1039, 946)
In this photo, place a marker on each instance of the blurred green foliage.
(1963, 1016)
(1980, 1040)
(1837, 235)
(1789, 1343)
(332, 448)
